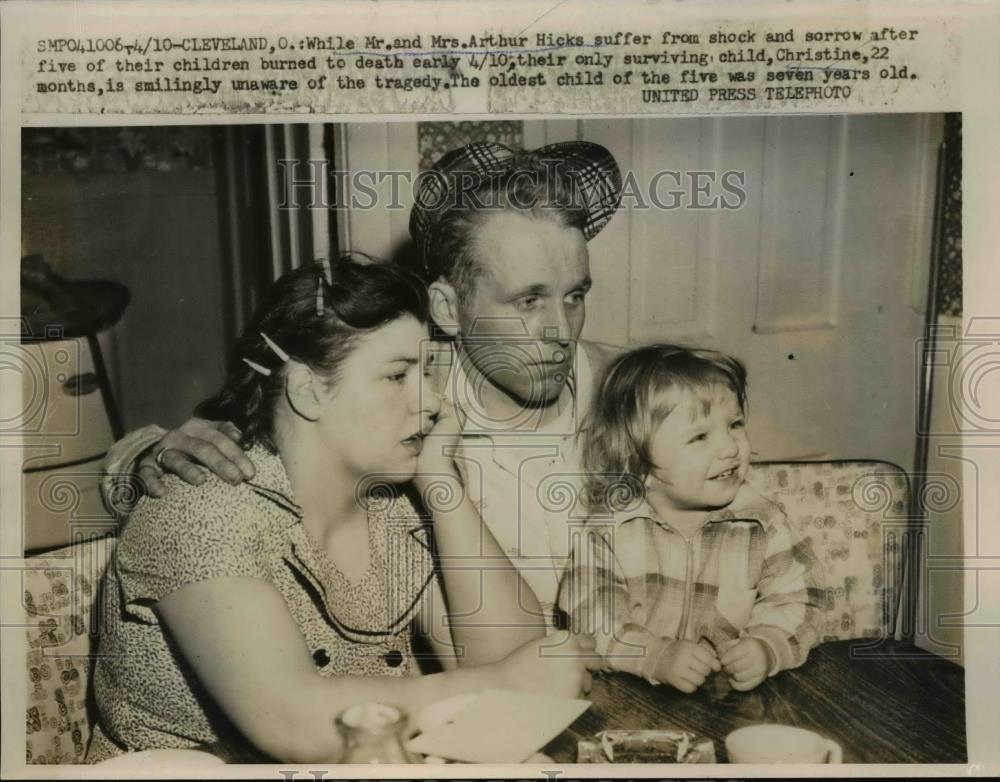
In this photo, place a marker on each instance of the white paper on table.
(500, 727)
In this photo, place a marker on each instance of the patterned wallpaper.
(115, 150)
(950, 273)
(436, 138)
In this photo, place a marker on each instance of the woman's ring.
(159, 457)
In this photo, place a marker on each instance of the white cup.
(780, 744)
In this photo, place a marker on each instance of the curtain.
(273, 187)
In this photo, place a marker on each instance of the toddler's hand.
(747, 663)
(684, 665)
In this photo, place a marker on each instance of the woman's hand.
(436, 459)
(553, 665)
(493, 612)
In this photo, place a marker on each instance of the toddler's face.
(701, 457)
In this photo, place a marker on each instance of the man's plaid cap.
(590, 168)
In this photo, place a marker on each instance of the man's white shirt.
(526, 483)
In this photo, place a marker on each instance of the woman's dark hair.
(317, 332)
(633, 398)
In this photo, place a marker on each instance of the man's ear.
(302, 390)
(444, 306)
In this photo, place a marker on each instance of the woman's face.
(376, 414)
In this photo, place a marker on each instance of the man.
(503, 240)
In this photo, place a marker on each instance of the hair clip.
(328, 274)
(274, 347)
(327, 271)
(257, 367)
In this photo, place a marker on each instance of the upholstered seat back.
(853, 514)
(60, 597)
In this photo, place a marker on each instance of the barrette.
(274, 347)
(257, 367)
(328, 274)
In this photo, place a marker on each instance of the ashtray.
(645, 746)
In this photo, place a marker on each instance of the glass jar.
(374, 733)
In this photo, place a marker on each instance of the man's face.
(520, 325)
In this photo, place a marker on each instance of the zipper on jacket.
(688, 597)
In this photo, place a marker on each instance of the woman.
(257, 612)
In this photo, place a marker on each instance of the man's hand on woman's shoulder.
(191, 449)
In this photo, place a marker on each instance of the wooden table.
(884, 701)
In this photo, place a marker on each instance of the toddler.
(681, 568)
